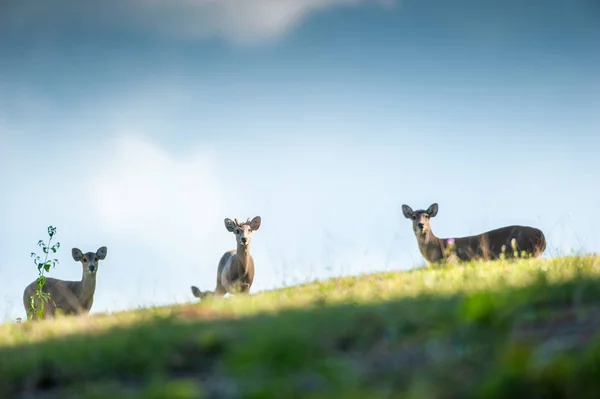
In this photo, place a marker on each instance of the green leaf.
(47, 266)
(41, 281)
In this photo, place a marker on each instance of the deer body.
(69, 297)
(489, 245)
(235, 272)
(236, 268)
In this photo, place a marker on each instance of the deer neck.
(243, 256)
(430, 246)
(87, 287)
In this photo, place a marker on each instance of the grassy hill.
(495, 330)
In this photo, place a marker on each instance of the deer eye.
(413, 217)
(96, 259)
(426, 216)
(237, 231)
(84, 260)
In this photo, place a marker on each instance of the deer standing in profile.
(68, 297)
(235, 271)
(487, 246)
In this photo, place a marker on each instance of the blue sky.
(142, 125)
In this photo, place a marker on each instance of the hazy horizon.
(140, 126)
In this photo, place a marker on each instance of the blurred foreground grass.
(481, 330)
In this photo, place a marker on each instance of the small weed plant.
(516, 254)
(37, 306)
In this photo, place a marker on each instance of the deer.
(235, 271)
(68, 297)
(489, 245)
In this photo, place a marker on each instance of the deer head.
(243, 231)
(420, 218)
(89, 260)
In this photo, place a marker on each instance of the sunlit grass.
(503, 329)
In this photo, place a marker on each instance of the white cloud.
(162, 215)
(241, 21)
(151, 197)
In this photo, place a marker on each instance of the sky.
(142, 125)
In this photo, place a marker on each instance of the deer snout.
(244, 240)
(92, 268)
(421, 226)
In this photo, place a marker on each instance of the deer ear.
(76, 254)
(432, 210)
(101, 252)
(196, 291)
(407, 211)
(255, 223)
(229, 224)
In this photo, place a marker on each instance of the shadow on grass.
(534, 342)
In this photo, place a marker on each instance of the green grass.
(481, 330)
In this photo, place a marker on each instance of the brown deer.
(235, 272)
(67, 297)
(489, 245)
